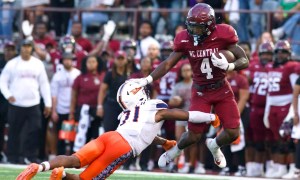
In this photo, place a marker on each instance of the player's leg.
(193, 135)
(83, 157)
(230, 120)
(117, 151)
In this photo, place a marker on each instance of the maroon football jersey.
(204, 72)
(279, 78)
(259, 83)
(56, 56)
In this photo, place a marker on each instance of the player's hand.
(54, 116)
(11, 99)
(296, 120)
(221, 63)
(109, 28)
(47, 111)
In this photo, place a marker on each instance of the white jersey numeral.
(205, 68)
(274, 84)
(261, 85)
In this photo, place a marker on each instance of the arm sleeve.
(4, 81)
(45, 87)
(54, 85)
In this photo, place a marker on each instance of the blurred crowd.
(74, 65)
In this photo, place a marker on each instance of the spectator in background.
(25, 72)
(84, 92)
(281, 16)
(108, 107)
(9, 53)
(7, 17)
(129, 46)
(61, 87)
(291, 29)
(145, 39)
(41, 38)
(82, 44)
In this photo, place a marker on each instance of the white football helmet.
(130, 95)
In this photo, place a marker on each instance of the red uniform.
(210, 87)
(83, 44)
(280, 92)
(258, 88)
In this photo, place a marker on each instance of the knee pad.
(260, 146)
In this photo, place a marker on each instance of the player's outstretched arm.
(161, 70)
(241, 61)
(181, 115)
(166, 65)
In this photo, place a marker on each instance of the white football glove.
(109, 29)
(142, 81)
(266, 119)
(27, 28)
(222, 62)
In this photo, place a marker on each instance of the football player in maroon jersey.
(199, 42)
(258, 78)
(281, 79)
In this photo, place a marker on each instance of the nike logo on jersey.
(214, 38)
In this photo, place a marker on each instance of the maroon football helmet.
(67, 44)
(129, 44)
(267, 47)
(200, 21)
(265, 51)
(282, 45)
(282, 52)
(166, 49)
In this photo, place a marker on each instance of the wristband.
(230, 67)
(99, 106)
(149, 79)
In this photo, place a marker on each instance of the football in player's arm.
(140, 122)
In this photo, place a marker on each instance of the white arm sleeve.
(200, 117)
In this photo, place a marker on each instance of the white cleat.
(219, 157)
(168, 156)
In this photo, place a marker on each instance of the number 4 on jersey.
(205, 68)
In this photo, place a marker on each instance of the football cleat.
(168, 157)
(29, 172)
(219, 157)
(57, 173)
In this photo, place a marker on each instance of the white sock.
(44, 166)
(214, 144)
(175, 151)
(64, 174)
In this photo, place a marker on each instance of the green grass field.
(10, 172)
